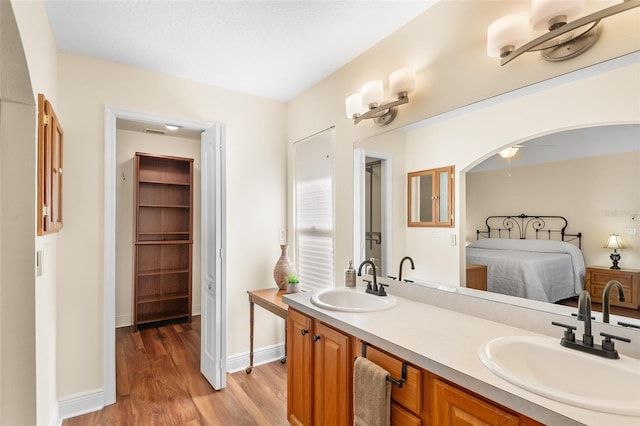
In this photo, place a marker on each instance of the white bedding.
(535, 269)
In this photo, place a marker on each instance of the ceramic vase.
(283, 268)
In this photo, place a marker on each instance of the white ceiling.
(271, 48)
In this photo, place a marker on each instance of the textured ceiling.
(274, 49)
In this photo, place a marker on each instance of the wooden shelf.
(163, 238)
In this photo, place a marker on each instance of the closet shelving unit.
(163, 238)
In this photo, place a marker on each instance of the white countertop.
(446, 343)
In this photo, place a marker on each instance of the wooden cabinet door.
(50, 143)
(299, 369)
(332, 377)
(455, 407)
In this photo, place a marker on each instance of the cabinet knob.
(316, 338)
(304, 331)
(58, 171)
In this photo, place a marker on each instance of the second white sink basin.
(541, 365)
(352, 300)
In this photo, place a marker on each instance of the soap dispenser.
(350, 276)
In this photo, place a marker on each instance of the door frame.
(359, 176)
(109, 289)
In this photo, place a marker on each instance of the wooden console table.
(271, 300)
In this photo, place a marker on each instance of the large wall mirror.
(587, 171)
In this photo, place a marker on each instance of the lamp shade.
(510, 30)
(402, 80)
(372, 93)
(353, 105)
(543, 11)
(614, 242)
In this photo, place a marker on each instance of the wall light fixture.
(507, 37)
(369, 102)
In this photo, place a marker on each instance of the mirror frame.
(436, 200)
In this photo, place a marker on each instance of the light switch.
(40, 262)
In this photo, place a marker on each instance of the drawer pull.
(397, 382)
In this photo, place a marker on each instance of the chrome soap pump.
(350, 276)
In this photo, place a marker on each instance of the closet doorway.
(212, 243)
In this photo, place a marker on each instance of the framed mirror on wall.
(430, 197)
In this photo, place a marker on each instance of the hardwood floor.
(158, 382)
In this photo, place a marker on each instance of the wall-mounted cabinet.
(163, 238)
(50, 142)
(430, 197)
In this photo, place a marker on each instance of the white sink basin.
(540, 365)
(352, 300)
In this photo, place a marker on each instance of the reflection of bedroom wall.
(597, 195)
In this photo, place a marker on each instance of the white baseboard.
(86, 402)
(80, 403)
(260, 356)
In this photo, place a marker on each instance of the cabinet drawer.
(410, 394)
(598, 278)
(401, 417)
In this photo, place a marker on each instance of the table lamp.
(614, 242)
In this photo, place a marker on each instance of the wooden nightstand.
(597, 278)
(477, 276)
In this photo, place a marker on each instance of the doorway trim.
(360, 156)
(109, 290)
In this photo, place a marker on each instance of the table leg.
(283, 360)
(250, 367)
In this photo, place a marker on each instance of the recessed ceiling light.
(172, 127)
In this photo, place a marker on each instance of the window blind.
(314, 218)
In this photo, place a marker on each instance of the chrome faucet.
(584, 314)
(606, 296)
(401, 262)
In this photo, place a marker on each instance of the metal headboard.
(524, 227)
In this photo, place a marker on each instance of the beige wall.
(595, 194)
(26, 404)
(256, 176)
(128, 143)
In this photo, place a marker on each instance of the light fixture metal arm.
(383, 108)
(570, 26)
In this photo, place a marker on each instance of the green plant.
(292, 279)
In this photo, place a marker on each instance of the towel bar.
(397, 382)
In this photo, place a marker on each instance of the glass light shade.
(544, 10)
(354, 105)
(614, 242)
(509, 152)
(372, 93)
(402, 80)
(510, 30)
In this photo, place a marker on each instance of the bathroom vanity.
(432, 350)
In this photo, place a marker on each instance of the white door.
(213, 350)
